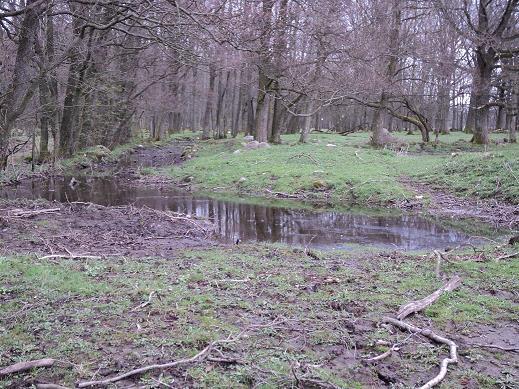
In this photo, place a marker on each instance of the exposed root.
(453, 349)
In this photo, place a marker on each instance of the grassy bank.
(342, 169)
(308, 319)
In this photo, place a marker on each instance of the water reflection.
(249, 222)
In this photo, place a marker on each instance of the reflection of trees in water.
(256, 222)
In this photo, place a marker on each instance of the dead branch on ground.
(453, 349)
(303, 155)
(50, 386)
(70, 256)
(204, 354)
(21, 213)
(419, 305)
(23, 366)
(511, 349)
(507, 256)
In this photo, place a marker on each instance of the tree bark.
(206, 130)
(379, 137)
(23, 84)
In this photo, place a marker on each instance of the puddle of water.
(252, 222)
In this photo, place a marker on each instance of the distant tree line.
(86, 72)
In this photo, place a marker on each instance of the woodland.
(259, 194)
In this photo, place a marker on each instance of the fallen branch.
(507, 256)
(511, 349)
(304, 155)
(384, 355)
(50, 386)
(419, 305)
(282, 194)
(453, 349)
(144, 304)
(23, 366)
(20, 213)
(198, 357)
(70, 256)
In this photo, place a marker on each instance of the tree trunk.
(471, 114)
(379, 137)
(22, 87)
(206, 130)
(261, 123)
(305, 132)
(276, 115)
(482, 86)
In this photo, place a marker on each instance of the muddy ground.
(443, 204)
(104, 290)
(291, 319)
(50, 228)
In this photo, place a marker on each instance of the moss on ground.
(313, 318)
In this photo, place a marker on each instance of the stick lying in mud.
(196, 358)
(23, 366)
(419, 305)
(70, 256)
(20, 213)
(453, 349)
(50, 386)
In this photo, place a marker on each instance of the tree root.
(23, 366)
(453, 354)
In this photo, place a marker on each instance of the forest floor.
(103, 290)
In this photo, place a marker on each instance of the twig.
(23, 366)
(20, 213)
(70, 256)
(383, 355)
(304, 155)
(453, 349)
(282, 194)
(511, 349)
(419, 305)
(50, 386)
(200, 356)
(507, 256)
(148, 302)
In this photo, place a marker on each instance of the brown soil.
(91, 229)
(443, 204)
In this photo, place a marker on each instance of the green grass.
(483, 175)
(348, 173)
(86, 312)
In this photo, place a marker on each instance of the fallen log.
(23, 366)
(419, 305)
(453, 349)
